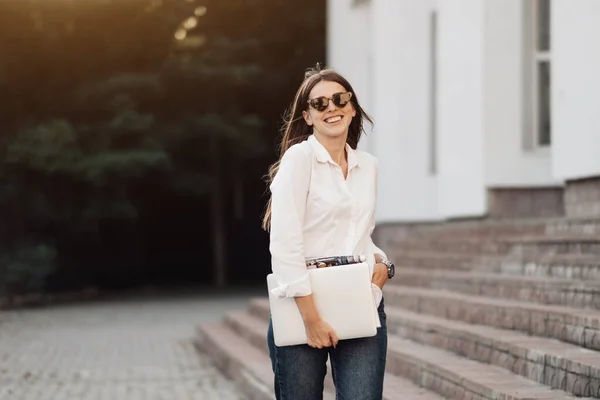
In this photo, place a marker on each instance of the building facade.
(481, 107)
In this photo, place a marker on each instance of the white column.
(576, 88)
(401, 79)
(461, 186)
(511, 157)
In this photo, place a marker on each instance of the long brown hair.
(296, 130)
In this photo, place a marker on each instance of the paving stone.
(136, 349)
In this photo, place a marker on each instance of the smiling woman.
(323, 193)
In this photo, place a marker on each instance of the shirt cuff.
(298, 288)
(377, 294)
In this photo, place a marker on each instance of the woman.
(322, 203)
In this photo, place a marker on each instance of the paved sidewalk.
(136, 349)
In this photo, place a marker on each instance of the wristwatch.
(390, 267)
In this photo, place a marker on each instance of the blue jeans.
(357, 366)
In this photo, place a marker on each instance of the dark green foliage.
(105, 114)
(26, 267)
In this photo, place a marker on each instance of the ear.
(307, 118)
(353, 111)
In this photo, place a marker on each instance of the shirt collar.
(324, 156)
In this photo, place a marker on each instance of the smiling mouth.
(333, 120)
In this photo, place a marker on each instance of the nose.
(331, 106)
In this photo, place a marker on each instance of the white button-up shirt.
(315, 212)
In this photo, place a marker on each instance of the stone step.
(584, 226)
(481, 229)
(569, 266)
(463, 246)
(536, 245)
(547, 361)
(448, 374)
(532, 245)
(567, 292)
(571, 325)
(566, 266)
(249, 367)
(456, 377)
(253, 329)
(433, 259)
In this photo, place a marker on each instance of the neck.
(336, 147)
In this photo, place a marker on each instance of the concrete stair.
(524, 246)
(478, 310)
(434, 260)
(540, 245)
(577, 226)
(248, 366)
(572, 325)
(478, 229)
(537, 289)
(428, 358)
(568, 266)
(238, 347)
(468, 245)
(546, 361)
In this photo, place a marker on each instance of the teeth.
(333, 119)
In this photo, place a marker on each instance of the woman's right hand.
(320, 334)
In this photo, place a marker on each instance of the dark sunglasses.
(339, 100)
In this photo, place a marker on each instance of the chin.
(334, 133)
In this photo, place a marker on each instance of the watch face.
(391, 270)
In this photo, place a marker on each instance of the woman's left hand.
(380, 274)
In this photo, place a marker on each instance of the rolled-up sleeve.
(289, 192)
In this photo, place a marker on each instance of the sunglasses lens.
(341, 99)
(319, 104)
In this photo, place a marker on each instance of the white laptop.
(343, 298)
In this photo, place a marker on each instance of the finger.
(334, 339)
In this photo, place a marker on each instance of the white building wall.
(484, 135)
(401, 40)
(576, 88)
(461, 180)
(349, 52)
(511, 159)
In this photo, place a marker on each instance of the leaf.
(100, 168)
(131, 121)
(26, 266)
(49, 147)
